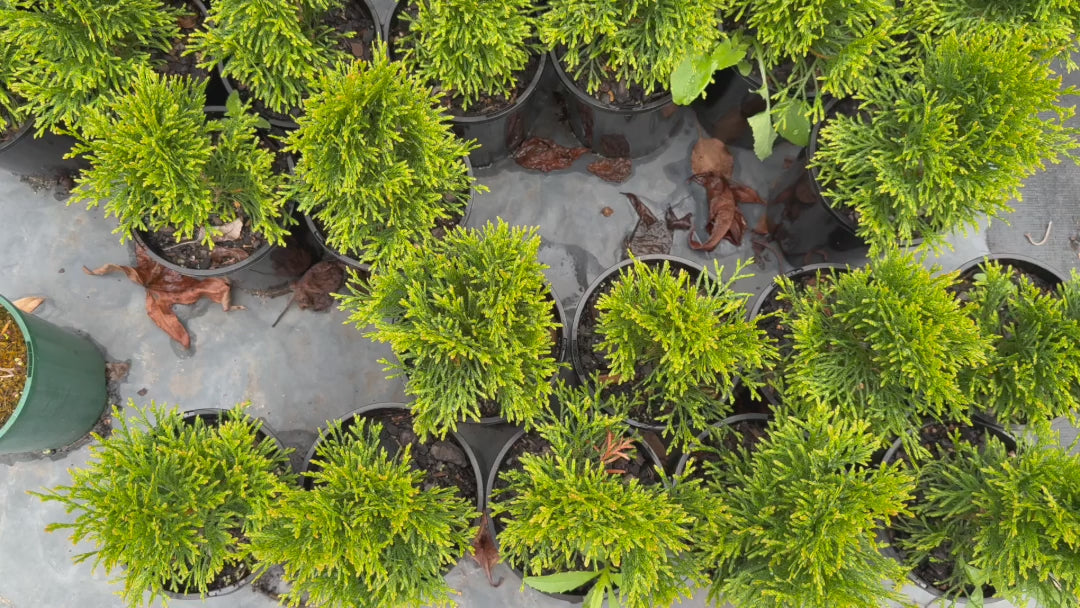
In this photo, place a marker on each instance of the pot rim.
(1022, 262)
(583, 96)
(31, 363)
(21, 131)
(730, 420)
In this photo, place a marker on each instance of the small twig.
(180, 244)
(283, 311)
(3, 332)
(8, 372)
(1045, 236)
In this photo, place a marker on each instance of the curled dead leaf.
(649, 235)
(725, 220)
(226, 232)
(484, 551)
(541, 154)
(29, 304)
(710, 155)
(614, 170)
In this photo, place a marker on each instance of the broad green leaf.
(560, 582)
(616, 579)
(727, 54)
(794, 125)
(690, 78)
(262, 123)
(232, 104)
(743, 67)
(764, 135)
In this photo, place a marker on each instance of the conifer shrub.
(1033, 370)
(70, 57)
(470, 319)
(470, 49)
(11, 114)
(571, 518)
(637, 42)
(157, 160)
(793, 522)
(1001, 519)
(887, 343)
(938, 153)
(367, 534)
(172, 503)
(680, 343)
(274, 48)
(378, 165)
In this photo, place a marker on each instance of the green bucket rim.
(30, 360)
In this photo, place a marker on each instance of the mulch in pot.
(230, 574)
(443, 462)
(745, 434)
(612, 92)
(174, 62)
(13, 362)
(486, 104)
(936, 438)
(965, 282)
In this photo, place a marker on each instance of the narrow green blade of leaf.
(232, 104)
(690, 78)
(727, 54)
(795, 124)
(616, 577)
(764, 135)
(560, 582)
(595, 597)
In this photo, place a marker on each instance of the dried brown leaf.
(165, 287)
(649, 235)
(223, 256)
(29, 304)
(292, 259)
(312, 291)
(541, 154)
(117, 371)
(228, 232)
(614, 170)
(725, 219)
(710, 155)
(484, 551)
(678, 223)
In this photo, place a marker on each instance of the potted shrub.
(994, 519)
(634, 549)
(182, 181)
(887, 343)
(172, 499)
(792, 521)
(471, 320)
(373, 181)
(936, 154)
(615, 59)
(679, 342)
(1033, 370)
(371, 529)
(52, 383)
(273, 50)
(490, 80)
(795, 63)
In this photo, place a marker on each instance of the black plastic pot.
(617, 132)
(354, 263)
(601, 281)
(1021, 262)
(765, 419)
(893, 552)
(494, 474)
(25, 154)
(348, 420)
(500, 133)
(211, 416)
(276, 119)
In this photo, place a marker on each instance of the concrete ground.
(311, 368)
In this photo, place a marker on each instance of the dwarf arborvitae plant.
(157, 160)
(1050, 24)
(637, 42)
(379, 165)
(681, 343)
(572, 517)
(11, 114)
(793, 522)
(471, 49)
(365, 535)
(171, 502)
(1008, 520)
(1033, 370)
(274, 48)
(886, 343)
(470, 319)
(71, 56)
(954, 145)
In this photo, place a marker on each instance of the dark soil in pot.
(8, 131)
(612, 92)
(936, 439)
(443, 462)
(174, 62)
(739, 431)
(848, 217)
(487, 104)
(1044, 278)
(13, 362)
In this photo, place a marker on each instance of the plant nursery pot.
(885, 535)
(348, 419)
(64, 394)
(493, 475)
(24, 154)
(351, 262)
(1036, 270)
(582, 340)
(280, 120)
(760, 419)
(498, 133)
(616, 132)
(212, 416)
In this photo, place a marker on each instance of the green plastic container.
(64, 394)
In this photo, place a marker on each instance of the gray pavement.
(311, 368)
